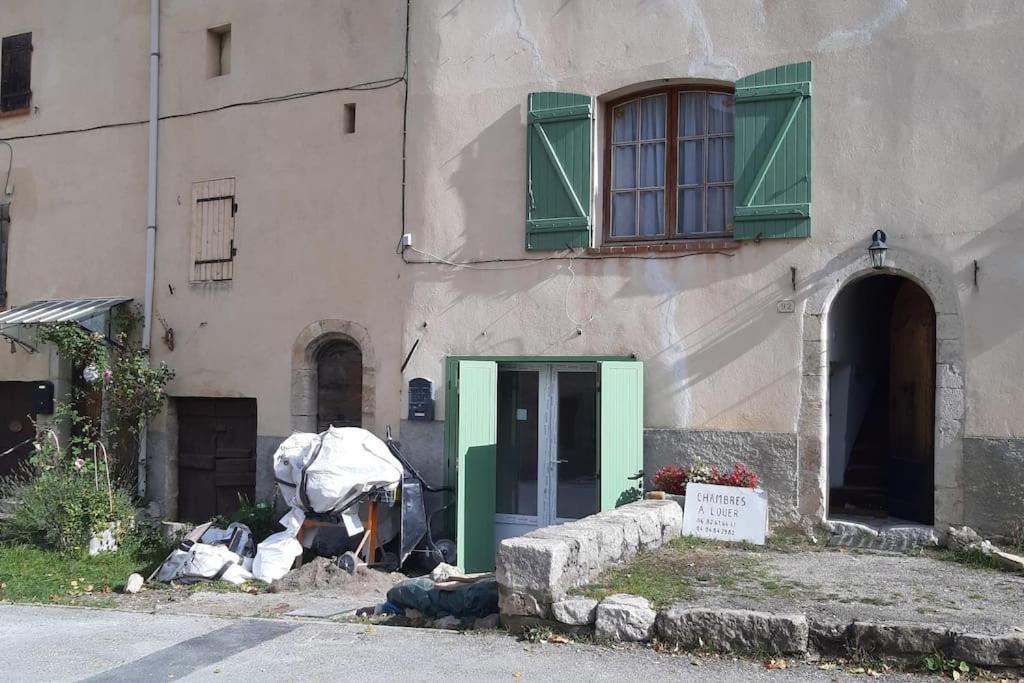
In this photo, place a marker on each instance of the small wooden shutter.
(213, 230)
(622, 432)
(16, 72)
(477, 439)
(559, 160)
(773, 153)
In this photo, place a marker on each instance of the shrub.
(674, 478)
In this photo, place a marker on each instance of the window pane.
(691, 211)
(624, 126)
(691, 162)
(652, 212)
(720, 160)
(652, 165)
(624, 166)
(517, 442)
(623, 214)
(652, 117)
(720, 208)
(720, 114)
(691, 113)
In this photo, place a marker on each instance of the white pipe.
(147, 311)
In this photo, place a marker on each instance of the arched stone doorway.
(937, 282)
(339, 385)
(342, 351)
(881, 398)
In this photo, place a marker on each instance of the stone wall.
(993, 484)
(539, 569)
(773, 455)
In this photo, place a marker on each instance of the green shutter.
(773, 154)
(476, 449)
(559, 147)
(622, 432)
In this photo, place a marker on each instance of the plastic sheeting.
(328, 472)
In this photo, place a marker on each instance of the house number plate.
(786, 306)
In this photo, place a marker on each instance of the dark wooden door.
(16, 426)
(912, 405)
(216, 456)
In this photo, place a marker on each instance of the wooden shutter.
(476, 447)
(213, 230)
(622, 432)
(773, 153)
(559, 160)
(16, 72)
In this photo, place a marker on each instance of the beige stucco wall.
(318, 214)
(914, 131)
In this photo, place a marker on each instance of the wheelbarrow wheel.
(348, 561)
(444, 551)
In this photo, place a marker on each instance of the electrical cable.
(433, 259)
(579, 325)
(369, 85)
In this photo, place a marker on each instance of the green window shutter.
(773, 154)
(559, 149)
(622, 432)
(476, 435)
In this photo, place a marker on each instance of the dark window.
(5, 229)
(16, 72)
(669, 165)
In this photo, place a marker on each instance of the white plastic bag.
(339, 465)
(202, 561)
(275, 556)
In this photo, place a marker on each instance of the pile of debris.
(966, 539)
(445, 599)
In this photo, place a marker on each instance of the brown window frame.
(671, 165)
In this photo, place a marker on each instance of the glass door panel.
(576, 464)
(516, 481)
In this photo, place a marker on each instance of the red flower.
(671, 479)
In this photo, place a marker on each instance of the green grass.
(969, 558)
(31, 574)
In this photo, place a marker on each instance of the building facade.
(610, 240)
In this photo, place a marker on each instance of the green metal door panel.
(476, 450)
(773, 153)
(622, 432)
(559, 149)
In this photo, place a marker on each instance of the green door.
(476, 449)
(622, 432)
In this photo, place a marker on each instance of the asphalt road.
(67, 644)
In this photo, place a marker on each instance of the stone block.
(898, 638)
(514, 603)
(733, 630)
(987, 650)
(949, 351)
(575, 611)
(627, 618)
(813, 328)
(534, 565)
(947, 326)
(948, 376)
(826, 637)
(993, 472)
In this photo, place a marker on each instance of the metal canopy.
(91, 314)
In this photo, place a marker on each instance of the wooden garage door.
(16, 427)
(216, 456)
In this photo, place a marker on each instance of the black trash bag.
(478, 599)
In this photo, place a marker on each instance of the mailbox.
(42, 398)
(421, 399)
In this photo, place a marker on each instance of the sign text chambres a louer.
(725, 513)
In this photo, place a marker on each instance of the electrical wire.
(433, 259)
(579, 325)
(475, 265)
(359, 87)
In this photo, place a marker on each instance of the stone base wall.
(773, 455)
(539, 569)
(993, 484)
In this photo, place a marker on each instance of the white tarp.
(339, 465)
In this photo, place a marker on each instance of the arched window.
(669, 166)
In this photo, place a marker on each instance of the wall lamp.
(877, 249)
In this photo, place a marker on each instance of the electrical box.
(42, 398)
(421, 399)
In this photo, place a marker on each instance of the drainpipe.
(147, 311)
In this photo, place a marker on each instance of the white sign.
(725, 513)
(786, 306)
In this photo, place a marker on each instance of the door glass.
(516, 480)
(577, 492)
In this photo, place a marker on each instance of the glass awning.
(91, 314)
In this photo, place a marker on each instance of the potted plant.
(670, 481)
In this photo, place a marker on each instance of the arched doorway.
(881, 400)
(339, 385)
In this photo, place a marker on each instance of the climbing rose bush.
(674, 478)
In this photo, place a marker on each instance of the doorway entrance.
(537, 441)
(546, 460)
(17, 425)
(881, 400)
(339, 386)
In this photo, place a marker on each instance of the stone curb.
(629, 618)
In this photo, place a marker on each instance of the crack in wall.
(864, 34)
(718, 66)
(527, 38)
